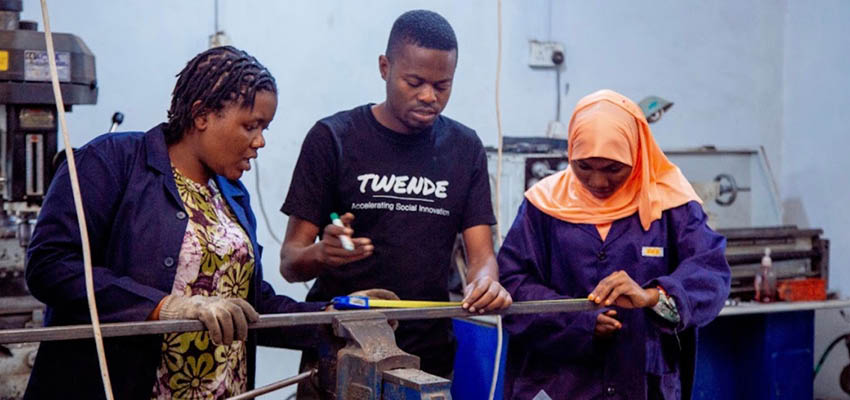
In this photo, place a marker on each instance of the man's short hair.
(422, 28)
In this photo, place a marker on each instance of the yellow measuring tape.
(378, 303)
(362, 302)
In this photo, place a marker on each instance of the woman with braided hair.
(173, 237)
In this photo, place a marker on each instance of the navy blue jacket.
(546, 258)
(136, 222)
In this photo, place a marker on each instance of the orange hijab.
(609, 125)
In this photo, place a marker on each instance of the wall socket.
(540, 53)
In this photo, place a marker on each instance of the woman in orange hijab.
(622, 227)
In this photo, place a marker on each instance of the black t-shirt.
(410, 194)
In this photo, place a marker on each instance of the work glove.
(226, 319)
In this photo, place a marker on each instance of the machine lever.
(117, 119)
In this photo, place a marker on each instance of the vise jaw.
(370, 349)
(368, 365)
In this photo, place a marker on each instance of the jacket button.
(181, 215)
(168, 262)
(602, 256)
(610, 391)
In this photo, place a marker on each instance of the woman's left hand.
(618, 289)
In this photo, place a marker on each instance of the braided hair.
(214, 78)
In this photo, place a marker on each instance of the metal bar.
(755, 258)
(275, 386)
(281, 320)
(19, 305)
(708, 150)
(768, 232)
(764, 308)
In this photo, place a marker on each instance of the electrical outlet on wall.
(540, 53)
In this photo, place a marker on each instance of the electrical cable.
(498, 123)
(826, 352)
(263, 209)
(260, 200)
(498, 357)
(78, 203)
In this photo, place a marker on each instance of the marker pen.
(346, 241)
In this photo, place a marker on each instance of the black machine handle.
(117, 119)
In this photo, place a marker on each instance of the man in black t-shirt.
(414, 179)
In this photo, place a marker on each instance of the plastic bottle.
(765, 282)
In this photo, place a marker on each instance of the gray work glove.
(225, 318)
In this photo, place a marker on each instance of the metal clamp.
(370, 349)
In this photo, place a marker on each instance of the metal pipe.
(282, 320)
(19, 305)
(275, 386)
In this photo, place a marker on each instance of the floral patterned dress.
(216, 259)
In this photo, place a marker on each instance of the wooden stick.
(78, 202)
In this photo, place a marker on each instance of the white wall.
(719, 62)
(815, 144)
(741, 74)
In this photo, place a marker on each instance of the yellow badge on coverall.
(648, 251)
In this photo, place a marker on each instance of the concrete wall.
(741, 74)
